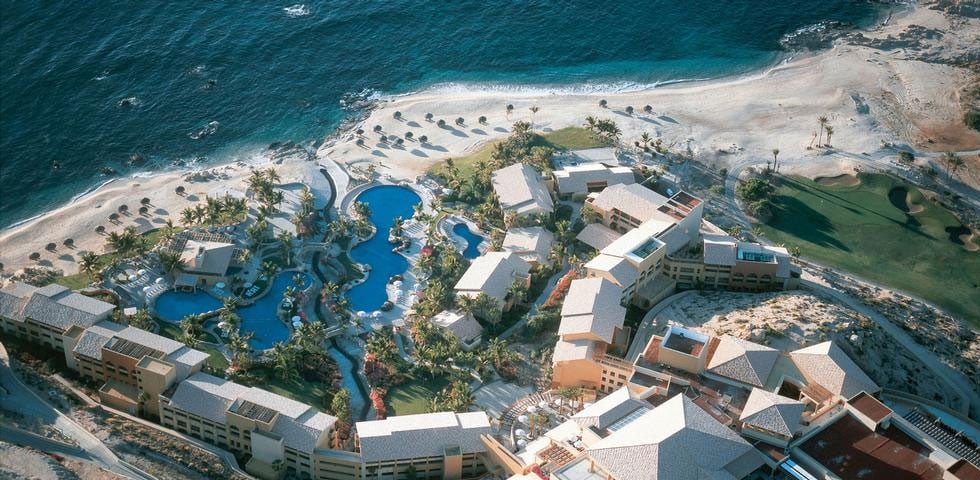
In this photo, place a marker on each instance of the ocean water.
(91, 84)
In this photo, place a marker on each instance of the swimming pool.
(259, 317)
(472, 240)
(386, 202)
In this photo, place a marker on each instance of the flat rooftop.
(870, 406)
(851, 450)
(684, 344)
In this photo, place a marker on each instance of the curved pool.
(386, 202)
(259, 317)
(473, 240)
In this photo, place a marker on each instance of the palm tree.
(141, 319)
(517, 291)
(510, 109)
(187, 216)
(830, 132)
(775, 159)
(283, 358)
(951, 162)
(645, 139)
(88, 262)
(534, 109)
(170, 262)
(286, 242)
(267, 269)
(822, 120)
(272, 175)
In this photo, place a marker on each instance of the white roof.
(576, 179)
(621, 271)
(597, 236)
(828, 366)
(595, 155)
(493, 273)
(743, 360)
(677, 441)
(420, 436)
(719, 249)
(572, 350)
(772, 412)
(462, 325)
(609, 409)
(529, 243)
(207, 257)
(91, 341)
(592, 307)
(206, 396)
(637, 237)
(632, 199)
(519, 188)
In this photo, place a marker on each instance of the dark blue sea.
(95, 84)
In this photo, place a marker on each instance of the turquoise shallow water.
(90, 84)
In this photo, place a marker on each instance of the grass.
(311, 393)
(82, 280)
(216, 361)
(413, 396)
(569, 138)
(859, 230)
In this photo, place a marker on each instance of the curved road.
(23, 400)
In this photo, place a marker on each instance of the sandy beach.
(872, 96)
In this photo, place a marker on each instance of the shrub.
(972, 119)
(753, 190)
(906, 157)
(718, 189)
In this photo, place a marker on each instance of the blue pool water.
(386, 203)
(260, 317)
(472, 240)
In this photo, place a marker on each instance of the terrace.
(685, 341)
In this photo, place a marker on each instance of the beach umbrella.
(160, 281)
(521, 443)
(397, 283)
(579, 445)
(248, 284)
(362, 314)
(297, 324)
(220, 284)
(297, 319)
(146, 289)
(519, 432)
(141, 272)
(132, 278)
(532, 409)
(542, 404)
(522, 419)
(376, 314)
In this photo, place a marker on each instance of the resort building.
(280, 435)
(493, 274)
(741, 363)
(44, 315)
(591, 330)
(204, 263)
(771, 418)
(586, 156)
(443, 445)
(825, 364)
(581, 180)
(624, 207)
(533, 244)
(623, 437)
(521, 190)
(461, 326)
(135, 365)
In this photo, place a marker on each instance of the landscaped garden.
(881, 229)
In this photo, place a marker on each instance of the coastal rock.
(817, 36)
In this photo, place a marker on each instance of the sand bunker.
(845, 180)
(901, 198)
(970, 242)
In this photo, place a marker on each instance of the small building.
(493, 274)
(741, 363)
(443, 445)
(521, 190)
(462, 326)
(598, 236)
(771, 418)
(206, 262)
(43, 315)
(825, 364)
(581, 180)
(533, 244)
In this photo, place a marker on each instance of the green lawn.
(413, 396)
(859, 230)
(217, 360)
(311, 393)
(569, 138)
(82, 280)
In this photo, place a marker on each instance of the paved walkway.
(21, 399)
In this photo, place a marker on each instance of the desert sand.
(876, 93)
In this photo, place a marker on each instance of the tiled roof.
(677, 441)
(519, 188)
(828, 366)
(529, 243)
(772, 412)
(592, 306)
(572, 350)
(597, 236)
(462, 325)
(493, 273)
(719, 250)
(53, 305)
(609, 409)
(621, 271)
(632, 199)
(303, 433)
(91, 341)
(206, 396)
(421, 436)
(743, 360)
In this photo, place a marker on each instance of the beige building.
(130, 362)
(444, 445)
(577, 180)
(493, 274)
(205, 262)
(532, 244)
(44, 315)
(521, 190)
(771, 418)
(280, 435)
(591, 329)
